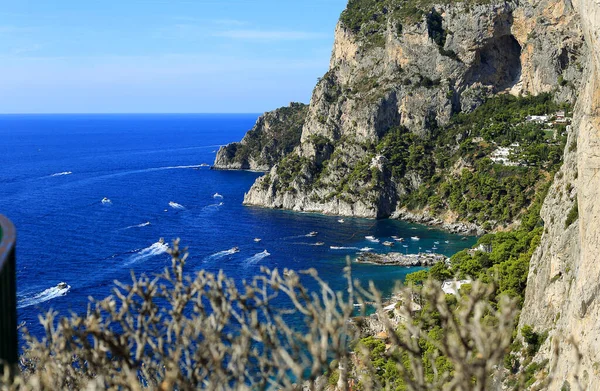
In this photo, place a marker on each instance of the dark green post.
(8, 295)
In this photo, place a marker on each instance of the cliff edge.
(563, 289)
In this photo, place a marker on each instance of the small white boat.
(405, 246)
(370, 237)
(388, 244)
(257, 240)
(434, 248)
(399, 240)
(235, 250)
(312, 234)
(365, 249)
(415, 238)
(320, 244)
(341, 221)
(436, 242)
(105, 200)
(62, 285)
(394, 237)
(428, 251)
(446, 241)
(217, 195)
(205, 165)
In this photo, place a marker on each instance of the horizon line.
(137, 113)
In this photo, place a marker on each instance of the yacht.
(389, 244)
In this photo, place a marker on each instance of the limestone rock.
(274, 135)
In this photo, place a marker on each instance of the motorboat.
(341, 221)
(415, 238)
(388, 244)
(217, 195)
(62, 285)
(257, 240)
(312, 234)
(105, 200)
(235, 250)
(319, 243)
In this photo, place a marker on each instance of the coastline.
(458, 228)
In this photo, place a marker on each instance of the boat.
(436, 242)
(415, 238)
(399, 239)
(341, 221)
(446, 241)
(62, 285)
(434, 248)
(235, 250)
(205, 165)
(394, 237)
(257, 240)
(389, 244)
(312, 234)
(319, 243)
(405, 246)
(217, 195)
(370, 237)
(105, 200)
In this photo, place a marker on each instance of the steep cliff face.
(414, 65)
(563, 289)
(274, 135)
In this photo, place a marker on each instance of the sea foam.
(62, 173)
(46, 295)
(257, 257)
(156, 249)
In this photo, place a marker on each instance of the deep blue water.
(56, 170)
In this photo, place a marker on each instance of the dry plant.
(207, 331)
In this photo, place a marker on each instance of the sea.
(91, 196)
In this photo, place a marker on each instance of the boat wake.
(343, 248)
(365, 249)
(257, 257)
(48, 294)
(157, 248)
(222, 254)
(147, 223)
(62, 173)
(175, 205)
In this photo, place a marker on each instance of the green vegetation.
(465, 179)
(573, 215)
(369, 19)
(266, 148)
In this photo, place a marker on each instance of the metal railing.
(8, 295)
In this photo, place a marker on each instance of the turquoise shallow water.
(57, 169)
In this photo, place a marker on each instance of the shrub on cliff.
(178, 331)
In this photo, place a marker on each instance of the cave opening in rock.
(497, 63)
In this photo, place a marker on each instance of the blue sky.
(160, 56)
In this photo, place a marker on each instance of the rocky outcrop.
(563, 288)
(274, 135)
(399, 259)
(415, 71)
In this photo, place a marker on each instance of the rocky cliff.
(563, 289)
(412, 65)
(274, 135)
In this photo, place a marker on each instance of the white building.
(540, 119)
(451, 287)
